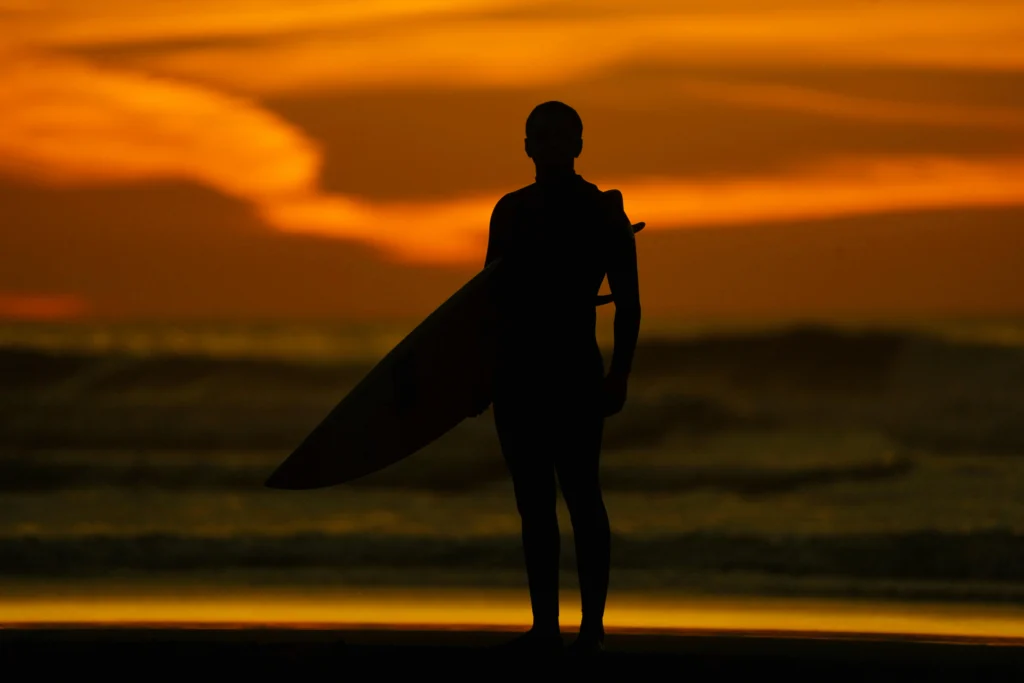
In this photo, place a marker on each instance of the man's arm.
(624, 282)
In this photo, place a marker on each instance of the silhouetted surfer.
(557, 239)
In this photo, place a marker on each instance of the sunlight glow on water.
(500, 610)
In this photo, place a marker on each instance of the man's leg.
(578, 473)
(533, 477)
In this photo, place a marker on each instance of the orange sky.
(312, 158)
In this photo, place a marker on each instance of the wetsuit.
(557, 240)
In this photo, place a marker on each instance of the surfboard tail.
(282, 482)
(290, 477)
(286, 483)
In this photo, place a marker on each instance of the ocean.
(855, 461)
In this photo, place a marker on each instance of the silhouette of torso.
(554, 238)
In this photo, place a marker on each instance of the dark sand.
(144, 652)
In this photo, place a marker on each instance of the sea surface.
(862, 461)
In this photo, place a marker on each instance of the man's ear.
(526, 147)
(578, 150)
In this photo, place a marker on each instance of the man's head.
(554, 134)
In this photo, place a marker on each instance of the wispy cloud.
(68, 122)
(463, 48)
(837, 187)
(193, 112)
(786, 97)
(71, 23)
(454, 231)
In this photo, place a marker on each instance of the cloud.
(67, 120)
(853, 186)
(41, 306)
(814, 101)
(66, 123)
(453, 231)
(552, 44)
(68, 23)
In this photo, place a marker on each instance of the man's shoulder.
(528, 196)
(516, 198)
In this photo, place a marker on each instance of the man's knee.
(585, 504)
(536, 503)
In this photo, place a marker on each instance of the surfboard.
(422, 389)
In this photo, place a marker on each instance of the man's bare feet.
(535, 641)
(588, 642)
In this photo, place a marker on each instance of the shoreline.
(241, 607)
(385, 632)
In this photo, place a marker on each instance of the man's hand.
(614, 392)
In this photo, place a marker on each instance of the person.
(557, 239)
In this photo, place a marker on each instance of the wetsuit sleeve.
(497, 232)
(623, 280)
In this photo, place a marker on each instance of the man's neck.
(554, 174)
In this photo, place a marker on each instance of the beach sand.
(302, 653)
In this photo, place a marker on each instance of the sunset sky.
(339, 159)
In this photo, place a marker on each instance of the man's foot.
(534, 642)
(587, 644)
